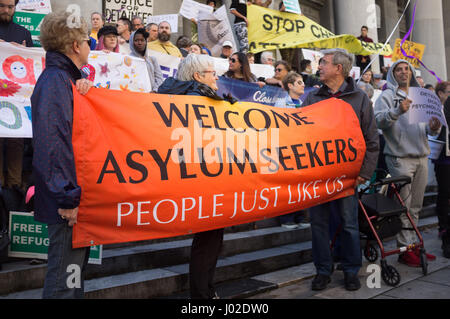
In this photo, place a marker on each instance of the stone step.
(21, 275)
(159, 282)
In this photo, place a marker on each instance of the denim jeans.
(350, 251)
(65, 270)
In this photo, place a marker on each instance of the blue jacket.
(53, 159)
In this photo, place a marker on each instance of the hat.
(227, 44)
(107, 30)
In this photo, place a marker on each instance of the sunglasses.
(233, 60)
(278, 70)
(89, 41)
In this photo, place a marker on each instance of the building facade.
(339, 16)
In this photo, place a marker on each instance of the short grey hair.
(193, 63)
(265, 55)
(366, 87)
(342, 57)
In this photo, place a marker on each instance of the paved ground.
(295, 282)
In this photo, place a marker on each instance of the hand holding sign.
(405, 105)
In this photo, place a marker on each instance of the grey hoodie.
(154, 70)
(402, 139)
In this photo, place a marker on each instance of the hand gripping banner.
(153, 165)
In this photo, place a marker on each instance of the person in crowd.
(282, 68)
(239, 9)
(137, 23)
(334, 71)
(184, 45)
(108, 39)
(12, 149)
(367, 77)
(97, 22)
(307, 73)
(211, 3)
(251, 58)
(239, 68)
(152, 29)
(124, 28)
(138, 48)
(205, 49)
(163, 44)
(227, 49)
(267, 58)
(196, 76)
(406, 149)
(366, 87)
(363, 60)
(294, 85)
(442, 170)
(196, 48)
(57, 194)
(429, 87)
(378, 81)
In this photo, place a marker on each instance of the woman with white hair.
(196, 76)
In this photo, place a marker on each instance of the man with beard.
(10, 31)
(163, 44)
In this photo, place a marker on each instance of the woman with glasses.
(239, 68)
(196, 76)
(282, 68)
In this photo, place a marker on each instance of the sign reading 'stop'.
(116, 9)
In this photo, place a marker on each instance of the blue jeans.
(65, 270)
(351, 258)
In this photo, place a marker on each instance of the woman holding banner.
(239, 68)
(196, 76)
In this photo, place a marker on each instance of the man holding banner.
(57, 194)
(334, 70)
(406, 149)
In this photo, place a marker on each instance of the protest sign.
(172, 19)
(314, 57)
(250, 92)
(29, 239)
(292, 6)
(154, 165)
(114, 9)
(271, 29)
(425, 105)
(191, 9)
(20, 68)
(214, 29)
(36, 6)
(411, 48)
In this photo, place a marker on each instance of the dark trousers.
(443, 198)
(205, 251)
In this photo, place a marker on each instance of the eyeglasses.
(89, 41)
(278, 70)
(213, 72)
(233, 60)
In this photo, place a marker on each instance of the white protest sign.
(191, 9)
(292, 6)
(35, 6)
(172, 19)
(214, 30)
(425, 105)
(314, 57)
(20, 68)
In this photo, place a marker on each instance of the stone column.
(350, 15)
(389, 18)
(446, 14)
(429, 30)
(87, 6)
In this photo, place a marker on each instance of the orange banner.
(153, 165)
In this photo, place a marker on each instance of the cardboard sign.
(411, 48)
(425, 105)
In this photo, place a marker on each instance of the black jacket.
(362, 106)
(12, 32)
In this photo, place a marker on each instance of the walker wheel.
(423, 261)
(390, 275)
(371, 253)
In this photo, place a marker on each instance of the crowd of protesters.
(57, 194)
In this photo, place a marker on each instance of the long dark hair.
(245, 67)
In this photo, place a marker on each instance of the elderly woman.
(196, 76)
(57, 193)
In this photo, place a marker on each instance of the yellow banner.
(272, 29)
(411, 48)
